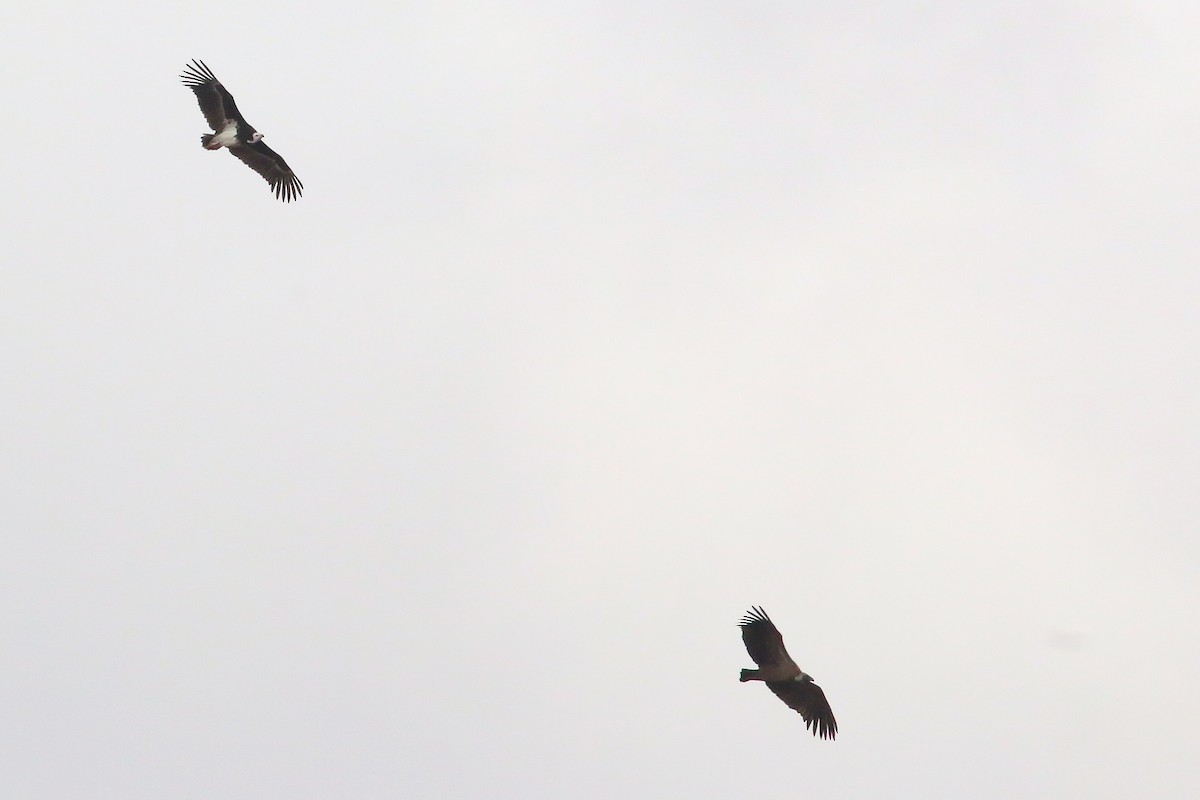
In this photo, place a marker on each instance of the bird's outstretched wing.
(215, 102)
(270, 165)
(807, 698)
(763, 640)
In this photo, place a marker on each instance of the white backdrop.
(597, 324)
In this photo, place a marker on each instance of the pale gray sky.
(597, 324)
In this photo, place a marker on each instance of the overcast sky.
(598, 323)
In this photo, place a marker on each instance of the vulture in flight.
(230, 130)
(782, 676)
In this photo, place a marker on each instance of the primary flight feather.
(230, 130)
(776, 668)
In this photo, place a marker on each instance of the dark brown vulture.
(764, 643)
(231, 130)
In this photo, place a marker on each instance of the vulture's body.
(776, 668)
(231, 131)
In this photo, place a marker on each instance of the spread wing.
(270, 165)
(215, 102)
(763, 641)
(807, 698)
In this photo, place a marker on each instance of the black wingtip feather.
(288, 190)
(756, 614)
(197, 73)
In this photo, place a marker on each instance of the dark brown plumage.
(776, 668)
(231, 130)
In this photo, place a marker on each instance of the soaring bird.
(231, 130)
(764, 643)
